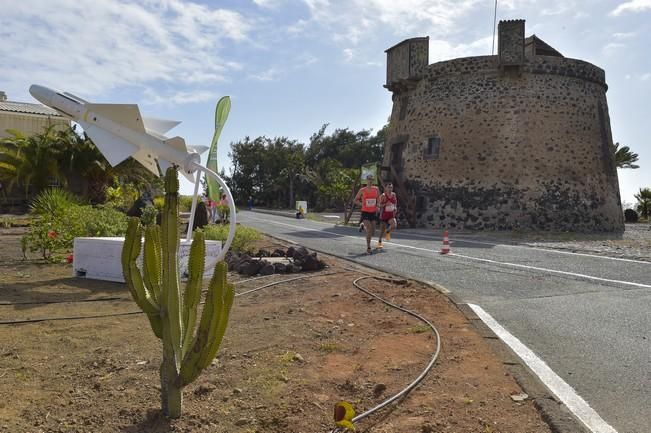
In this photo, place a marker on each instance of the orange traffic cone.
(446, 243)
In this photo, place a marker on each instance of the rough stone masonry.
(518, 140)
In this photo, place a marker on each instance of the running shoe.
(379, 244)
(369, 251)
(361, 228)
(388, 236)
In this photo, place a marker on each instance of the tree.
(31, 162)
(644, 202)
(624, 158)
(350, 148)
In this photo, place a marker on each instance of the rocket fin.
(199, 149)
(114, 148)
(145, 157)
(127, 115)
(177, 143)
(159, 126)
(164, 165)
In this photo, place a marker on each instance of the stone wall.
(525, 151)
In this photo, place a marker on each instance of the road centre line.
(516, 265)
(555, 383)
(471, 240)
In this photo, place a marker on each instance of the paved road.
(587, 317)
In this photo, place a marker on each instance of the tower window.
(433, 147)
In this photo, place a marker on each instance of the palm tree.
(644, 202)
(624, 158)
(31, 162)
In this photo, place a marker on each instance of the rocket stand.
(231, 207)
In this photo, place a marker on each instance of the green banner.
(221, 114)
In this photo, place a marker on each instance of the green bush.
(53, 233)
(121, 197)
(243, 240)
(53, 201)
(185, 203)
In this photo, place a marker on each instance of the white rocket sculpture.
(119, 131)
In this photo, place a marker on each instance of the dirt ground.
(290, 353)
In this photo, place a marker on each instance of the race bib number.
(370, 202)
(389, 207)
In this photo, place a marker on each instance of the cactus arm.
(171, 300)
(133, 278)
(225, 294)
(212, 326)
(193, 287)
(152, 262)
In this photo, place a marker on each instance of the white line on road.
(474, 241)
(558, 386)
(554, 271)
(515, 265)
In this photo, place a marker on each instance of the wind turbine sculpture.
(119, 131)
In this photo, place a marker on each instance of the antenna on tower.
(494, 25)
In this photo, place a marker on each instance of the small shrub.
(53, 201)
(121, 197)
(243, 240)
(149, 214)
(5, 222)
(185, 203)
(630, 216)
(159, 202)
(51, 233)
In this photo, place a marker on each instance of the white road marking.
(471, 240)
(558, 386)
(515, 265)
(554, 271)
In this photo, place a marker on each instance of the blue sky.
(292, 65)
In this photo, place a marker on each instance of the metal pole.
(197, 181)
(231, 206)
(494, 25)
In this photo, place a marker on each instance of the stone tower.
(519, 140)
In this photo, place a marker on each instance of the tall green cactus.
(171, 312)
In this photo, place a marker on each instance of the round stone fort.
(514, 141)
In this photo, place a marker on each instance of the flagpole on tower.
(494, 26)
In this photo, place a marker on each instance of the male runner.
(367, 196)
(388, 204)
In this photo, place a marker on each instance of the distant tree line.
(277, 171)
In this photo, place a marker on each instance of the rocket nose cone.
(41, 94)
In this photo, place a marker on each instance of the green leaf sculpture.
(171, 312)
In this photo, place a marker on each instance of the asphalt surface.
(587, 317)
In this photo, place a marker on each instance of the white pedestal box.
(100, 258)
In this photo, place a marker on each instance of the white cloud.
(153, 97)
(645, 77)
(351, 20)
(349, 54)
(268, 4)
(631, 6)
(92, 50)
(612, 47)
(270, 74)
(440, 50)
(625, 35)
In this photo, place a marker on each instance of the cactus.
(171, 312)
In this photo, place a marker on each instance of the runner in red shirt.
(388, 204)
(367, 197)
